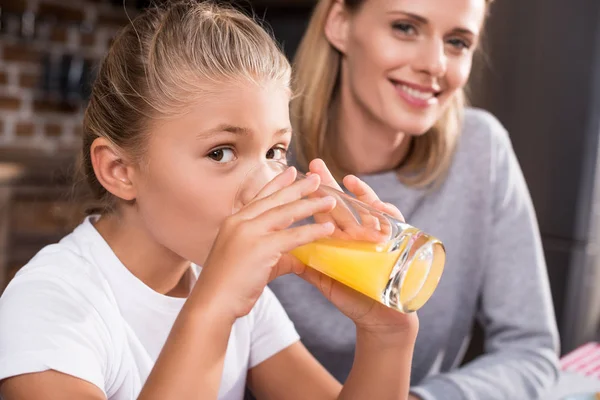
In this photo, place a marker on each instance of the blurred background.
(540, 76)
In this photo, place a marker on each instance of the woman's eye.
(404, 28)
(224, 155)
(459, 44)
(277, 153)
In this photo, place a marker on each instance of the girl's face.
(403, 60)
(195, 163)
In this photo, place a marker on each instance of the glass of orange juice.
(370, 251)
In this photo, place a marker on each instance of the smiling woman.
(380, 93)
(360, 60)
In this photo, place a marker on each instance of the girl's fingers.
(288, 264)
(288, 239)
(281, 217)
(279, 205)
(318, 167)
(280, 195)
(317, 279)
(360, 189)
(366, 194)
(284, 179)
(390, 209)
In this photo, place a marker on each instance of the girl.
(381, 95)
(188, 98)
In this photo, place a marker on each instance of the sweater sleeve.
(521, 339)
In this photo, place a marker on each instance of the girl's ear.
(112, 170)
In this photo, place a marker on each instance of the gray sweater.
(495, 272)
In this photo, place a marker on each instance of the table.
(570, 384)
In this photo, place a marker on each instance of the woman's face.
(403, 60)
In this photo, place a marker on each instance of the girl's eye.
(276, 153)
(223, 155)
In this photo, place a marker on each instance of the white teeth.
(417, 93)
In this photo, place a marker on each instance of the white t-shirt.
(76, 309)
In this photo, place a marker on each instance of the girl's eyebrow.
(236, 130)
(222, 128)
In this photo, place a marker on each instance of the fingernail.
(328, 199)
(328, 226)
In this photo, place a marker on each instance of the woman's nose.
(432, 59)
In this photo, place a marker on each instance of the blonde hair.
(315, 81)
(160, 63)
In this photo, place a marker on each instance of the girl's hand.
(252, 245)
(368, 314)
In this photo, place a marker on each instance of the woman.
(380, 85)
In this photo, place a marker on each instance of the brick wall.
(32, 32)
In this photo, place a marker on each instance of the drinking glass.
(370, 251)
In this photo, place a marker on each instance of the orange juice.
(369, 268)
